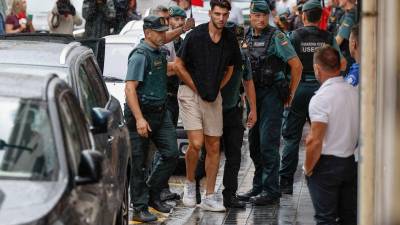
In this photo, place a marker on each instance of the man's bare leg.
(196, 140)
(212, 145)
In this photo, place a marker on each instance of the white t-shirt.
(337, 104)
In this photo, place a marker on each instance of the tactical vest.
(153, 89)
(264, 67)
(305, 41)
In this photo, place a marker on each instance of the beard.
(218, 26)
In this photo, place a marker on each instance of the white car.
(117, 50)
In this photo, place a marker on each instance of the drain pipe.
(366, 186)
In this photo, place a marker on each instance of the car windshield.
(27, 148)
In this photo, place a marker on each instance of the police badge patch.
(282, 39)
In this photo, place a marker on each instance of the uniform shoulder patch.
(282, 38)
(280, 35)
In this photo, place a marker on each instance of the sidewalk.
(293, 209)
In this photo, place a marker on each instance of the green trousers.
(144, 185)
(292, 129)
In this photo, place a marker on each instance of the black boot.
(166, 194)
(234, 202)
(264, 199)
(246, 196)
(286, 186)
(160, 206)
(143, 216)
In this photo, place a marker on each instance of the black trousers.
(231, 141)
(333, 190)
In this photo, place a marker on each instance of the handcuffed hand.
(251, 119)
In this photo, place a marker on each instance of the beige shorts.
(197, 114)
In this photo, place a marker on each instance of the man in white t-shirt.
(330, 167)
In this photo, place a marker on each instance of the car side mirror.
(90, 167)
(100, 118)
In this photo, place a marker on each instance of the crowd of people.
(297, 68)
(103, 17)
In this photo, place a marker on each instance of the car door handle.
(110, 139)
(121, 124)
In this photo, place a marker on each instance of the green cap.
(176, 11)
(156, 23)
(259, 6)
(312, 4)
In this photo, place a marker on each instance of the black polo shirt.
(207, 61)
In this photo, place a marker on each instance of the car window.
(87, 93)
(27, 146)
(75, 130)
(98, 83)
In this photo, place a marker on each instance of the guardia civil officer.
(177, 17)
(346, 22)
(304, 40)
(148, 119)
(269, 51)
(335, 16)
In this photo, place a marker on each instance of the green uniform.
(346, 22)
(264, 137)
(305, 40)
(231, 92)
(149, 66)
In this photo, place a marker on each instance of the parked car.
(76, 64)
(50, 172)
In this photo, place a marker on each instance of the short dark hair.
(161, 8)
(220, 3)
(355, 31)
(313, 15)
(328, 58)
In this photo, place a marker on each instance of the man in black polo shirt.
(205, 64)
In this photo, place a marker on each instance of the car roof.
(35, 52)
(22, 85)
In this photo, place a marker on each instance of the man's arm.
(339, 39)
(227, 76)
(314, 145)
(251, 97)
(296, 68)
(171, 71)
(172, 34)
(183, 74)
(132, 99)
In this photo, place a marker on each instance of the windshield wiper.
(4, 144)
(112, 79)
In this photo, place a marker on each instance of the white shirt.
(337, 104)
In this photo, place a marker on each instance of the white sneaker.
(189, 194)
(210, 203)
